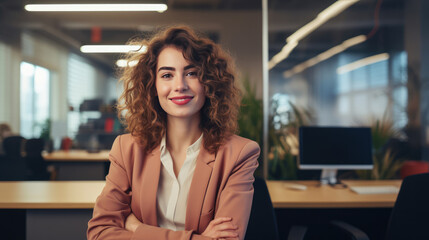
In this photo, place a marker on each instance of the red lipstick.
(181, 100)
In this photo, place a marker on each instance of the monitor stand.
(328, 176)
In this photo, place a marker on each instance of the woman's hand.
(221, 228)
(131, 223)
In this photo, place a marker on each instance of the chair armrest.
(355, 232)
(297, 232)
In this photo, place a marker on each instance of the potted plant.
(284, 130)
(386, 163)
(45, 134)
(251, 118)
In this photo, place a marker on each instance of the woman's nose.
(181, 84)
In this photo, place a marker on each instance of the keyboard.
(374, 189)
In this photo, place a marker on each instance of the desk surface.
(77, 155)
(49, 195)
(328, 197)
(82, 195)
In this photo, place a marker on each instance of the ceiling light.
(362, 63)
(284, 53)
(112, 48)
(324, 55)
(94, 7)
(126, 63)
(293, 40)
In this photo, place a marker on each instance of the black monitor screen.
(335, 147)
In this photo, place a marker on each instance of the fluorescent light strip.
(325, 55)
(283, 54)
(95, 7)
(111, 48)
(293, 40)
(126, 63)
(362, 63)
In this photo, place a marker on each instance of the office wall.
(48, 54)
(42, 51)
(10, 59)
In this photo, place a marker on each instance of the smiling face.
(179, 90)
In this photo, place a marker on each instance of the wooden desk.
(76, 156)
(79, 164)
(53, 210)
(49, 194)
(328, 197)
(319, 205)
(62, 209)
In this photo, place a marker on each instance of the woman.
(181, 173)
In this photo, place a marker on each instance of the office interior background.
(353, 63)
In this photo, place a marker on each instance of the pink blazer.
(222, 186)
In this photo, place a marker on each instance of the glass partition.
(344, 63)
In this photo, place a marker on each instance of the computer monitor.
(334, 148)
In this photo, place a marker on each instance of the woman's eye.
(192, 74)
(167, 75)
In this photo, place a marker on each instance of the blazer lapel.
(197, 191)
(149, 187)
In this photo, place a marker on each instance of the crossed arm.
(113, 218)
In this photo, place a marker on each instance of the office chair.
(34, 160)
(13, 145)
(13, 166)
(262, 221)
(410, 216)
(333, 230)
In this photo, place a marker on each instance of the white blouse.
(172, 195)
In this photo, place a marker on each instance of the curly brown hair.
(139, 104)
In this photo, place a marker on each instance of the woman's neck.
(181, 133)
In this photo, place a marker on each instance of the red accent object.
(108, 125)
(414, 167)
(96, 34)
(66, 143)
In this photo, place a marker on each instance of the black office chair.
(410, 216)
(13, 166)
(13, 145)
(333, 230)
(262, 221)
(34, 160)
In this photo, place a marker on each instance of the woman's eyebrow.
(188, 67)
(173, 69)
(166, 68)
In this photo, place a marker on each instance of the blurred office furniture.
(333, 230)
(314, 208)
(413, 167)
(13, 145)
(12, 164)
(325, 196)
(262, 221)
(51, 210)
(61, 210)
(79, 164)
(410, 216)
(34, 160)
(98, 132)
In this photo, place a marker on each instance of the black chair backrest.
(12, 165)
(262, 221)
(34, 147)
(34, 159)
(12, 145)
(410, 216)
